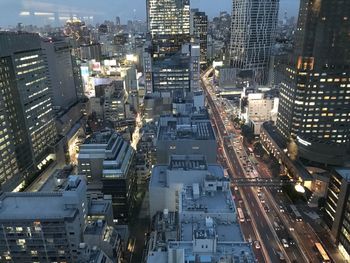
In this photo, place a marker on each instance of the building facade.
(168, 24)
(253, 27)
(185, 135)
(26, 92)
(337, 207)
(199, 31)
(314, 104)
(57, 226)
(59, 59)
(105, 158)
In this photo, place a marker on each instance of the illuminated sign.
(303, 142)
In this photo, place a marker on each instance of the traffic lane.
(262, 226)
(283, 232)
(247, 227)
(303, 232)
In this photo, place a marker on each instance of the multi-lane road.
(263, 211)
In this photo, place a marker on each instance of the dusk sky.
(101, 10)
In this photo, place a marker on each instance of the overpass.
(263, 182)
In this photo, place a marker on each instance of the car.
(281, 256)
(236, 188)
(281, 208)
(291, 241)
(277, 226)
(262, 200)
(259, 194)
(291, 229)
(257, 244)
(266, 208)
(279, 190)
(285, 243)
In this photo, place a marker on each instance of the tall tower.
(252, 35)
(171, 63)
(169, 25)
(199, 31)
(26, 93)
(314, 104)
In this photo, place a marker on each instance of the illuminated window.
(21, 242)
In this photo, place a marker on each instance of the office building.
(59, 60)
(259, 109)
(105, 158)
(90, 51)
(27, 99)
(168, 24)
(54, 226)
(194, 215)
(314, 108)
(337, 196)
(337, 207)
(253, 27)
(179, 72)
(185, 135)
(199, 31)
(170, 62)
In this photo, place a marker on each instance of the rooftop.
(42, 205)
(187, 162)
(215, 202)
(185, 128)
(159, 173)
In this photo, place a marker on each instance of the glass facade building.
(168, 24)
(314, 104)
(199, 31)
(253, 27)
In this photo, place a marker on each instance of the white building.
(194, 214)
(259, 109)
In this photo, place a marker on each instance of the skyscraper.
(168, 24)
(60, 65)
(252, 35)
(171, 63)
(315, 92)
(26, 93)
(199, 30)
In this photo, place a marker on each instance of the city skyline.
(175, 131)
(17, 11)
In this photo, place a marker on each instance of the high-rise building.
(60, 66)
(26, 93)
(171, 64)
(314, 104)
(199, 31)
(253, 27)
(168, 24)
